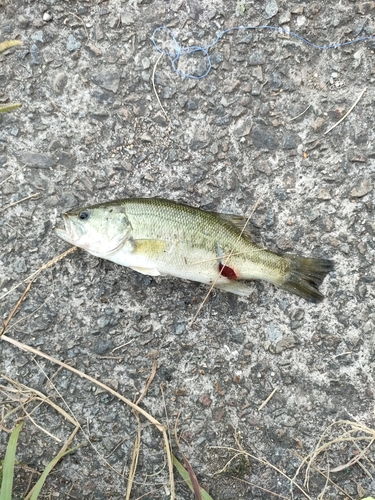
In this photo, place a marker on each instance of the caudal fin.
(305, 275)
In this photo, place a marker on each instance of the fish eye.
(84, 215)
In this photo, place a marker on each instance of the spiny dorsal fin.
(239, 222)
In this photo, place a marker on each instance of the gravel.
(250, 134)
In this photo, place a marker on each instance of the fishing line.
(179, 51)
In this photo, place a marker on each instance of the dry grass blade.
(28, 415)
(267, 400)
(38, 271)
(309, 106)
(25, 317)
(266, 463)
(4, 108)
(329, 480)
(260, 488)
(137, 442)
(149, 381)
(56, 106)
(354, 460)
(143, 412)
(134, 463)
(224, 469)
(28, 348)
(349, 435)
(24, 389)
(347, 113)
(83, 23)
(148, 493)
(9, 44)
(155, 91)
(350, 432)
(11, 175)
(15, 309)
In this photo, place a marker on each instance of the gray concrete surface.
(91, 130)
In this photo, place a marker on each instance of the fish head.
(101, 230)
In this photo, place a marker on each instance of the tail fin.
(305, 275)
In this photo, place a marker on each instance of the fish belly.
(157, 259)
(160, 258)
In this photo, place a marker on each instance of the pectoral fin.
(147, 270)
(148, 251)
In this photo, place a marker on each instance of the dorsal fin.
(239, 222)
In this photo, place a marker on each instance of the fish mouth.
(69, 232)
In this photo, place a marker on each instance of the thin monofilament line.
(181, 51)
(347, 113)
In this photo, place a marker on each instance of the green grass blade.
(185, 476)
(34, 493)
(8, 467)
(10, 107)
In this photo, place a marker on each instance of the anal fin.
(235, 287)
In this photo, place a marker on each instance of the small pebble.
(191, 105)
(35, 159)
(363, 188)
(318, 124)
(36, 56)
(324, 194)
(263, 138)
(274, 333)
(108, 80)
(257, 58)
(61, 79)
(287, 342)
(271, 9)
(72, 44)
(205, 400)
(146, 63)
(284, 17)
(37, 36)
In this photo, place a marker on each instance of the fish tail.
(305, 275)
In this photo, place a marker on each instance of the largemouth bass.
(162, 237)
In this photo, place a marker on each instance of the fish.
(162, 237)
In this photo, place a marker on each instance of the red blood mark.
(227, 271)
